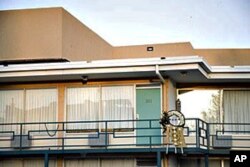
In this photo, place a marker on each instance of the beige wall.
(30, 34)
(212, 56)
(160, 50)
(81, 43)
(225, 56)
(54, 33)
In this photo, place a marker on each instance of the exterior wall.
(171, 95)
(54, 33)
(218, 57)
(30, 34)
(160, 50)
(230, 57)
(80, 43)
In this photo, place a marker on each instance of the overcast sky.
(205, 23)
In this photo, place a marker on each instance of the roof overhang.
(188, 69)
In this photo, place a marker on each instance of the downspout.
(157, 72)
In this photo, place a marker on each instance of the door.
(148, 106)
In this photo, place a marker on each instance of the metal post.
(63, 135)
(21, 137)
(208, 136)
(106, 135)
(206, 160)
(46, 160)
(158, 159)
(197, 133)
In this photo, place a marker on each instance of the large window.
(100, 103)
(82, 104)
(118, 104)
(29, 105)
(236, 105)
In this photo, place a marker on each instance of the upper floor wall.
(30, 34)
(55, 33)
(48, 33)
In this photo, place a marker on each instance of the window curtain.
(41, 106)
(118, 162)
(26, 163)
(82, 104)
(118, 104)
(11, 163)
(236, 106)
(37, 163)
(11, 109)
(78, 163)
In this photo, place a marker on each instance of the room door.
(148, 106)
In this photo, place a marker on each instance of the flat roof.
(188, 69)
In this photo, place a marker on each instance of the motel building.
(70, 99)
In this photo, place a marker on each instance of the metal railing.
(108, 134)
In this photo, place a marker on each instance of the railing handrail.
(202, 130)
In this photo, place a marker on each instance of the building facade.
(69, 98)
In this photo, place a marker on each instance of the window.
(236, 105)
(100, 103)
(82, 104)
(29, 105)
(11, 109)
(118, 104)
(40, 106)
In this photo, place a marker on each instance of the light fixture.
(183, 73)
(84, 79)
(150, 48)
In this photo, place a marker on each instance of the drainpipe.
(157, 72)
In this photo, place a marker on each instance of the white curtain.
(11, 109)
(11, 163)
(26, 163)
(236, 104)
(118, 104)
(81, 163)
(100, 163)
(41, 106)
(37, 163)
(82, 104)
(118, 162)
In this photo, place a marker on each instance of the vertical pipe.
(158, 159)
(46, 160)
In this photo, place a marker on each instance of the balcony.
(119, 136)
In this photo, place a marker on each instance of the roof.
(188, 69)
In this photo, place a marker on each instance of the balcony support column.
(206, 160)
(158, 159)
(46, 160)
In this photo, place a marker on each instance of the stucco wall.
(30, 34)
(55, 33)
(171, 95)
(160, 50)
(81, 43)
(212, 56)
(225, 56)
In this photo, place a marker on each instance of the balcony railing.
(120, 134)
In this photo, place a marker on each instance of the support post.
(206, 160)
(46, 160)
(158, 159)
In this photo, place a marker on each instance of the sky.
(204, 23)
